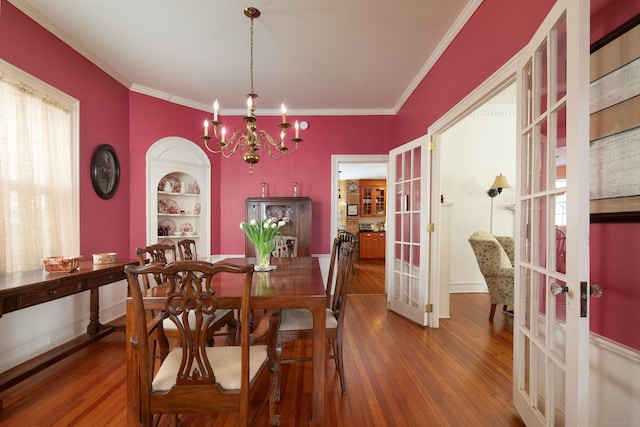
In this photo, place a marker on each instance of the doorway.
(476, 149)
(369, 277)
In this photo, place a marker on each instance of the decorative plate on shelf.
(186, 227)
(196, 209)
(166, 242)
(196, 188)
(167, 206)
(170, 184)
(168, 224)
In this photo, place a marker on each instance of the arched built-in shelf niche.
(180, 158)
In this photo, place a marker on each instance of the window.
(39, 212)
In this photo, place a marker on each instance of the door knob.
(595, 291)
(557, 289)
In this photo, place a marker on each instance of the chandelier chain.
(252, 90)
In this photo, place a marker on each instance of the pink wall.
(132, 122)
(497, 31)
(153, 119)
(231, 183)
(310, 166)
(615, 251)
(104, 119)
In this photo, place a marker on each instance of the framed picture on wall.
(352, 210)
(105, 171)
(615, 125)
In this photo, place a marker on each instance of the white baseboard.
(468, 288)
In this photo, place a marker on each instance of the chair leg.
(278, 359)
(232, 327)
(337, 353)
(492, 312)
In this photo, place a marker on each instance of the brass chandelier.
(250, 139)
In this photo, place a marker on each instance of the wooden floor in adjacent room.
(397, 373)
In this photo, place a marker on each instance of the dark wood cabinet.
(372, 244)
(296, 211)
(373, 197)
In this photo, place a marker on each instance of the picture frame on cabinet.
(352, 210)
(105, 171)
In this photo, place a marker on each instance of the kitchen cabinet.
(372, 244)
(372, 197)
(295, 211)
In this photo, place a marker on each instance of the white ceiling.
(355, 171)
(328, 57)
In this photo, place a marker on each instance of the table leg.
(94, 312)
(319, 363)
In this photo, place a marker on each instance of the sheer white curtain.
(38, 177)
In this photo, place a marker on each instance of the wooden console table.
(29, 288)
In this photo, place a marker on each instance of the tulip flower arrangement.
(262, 235)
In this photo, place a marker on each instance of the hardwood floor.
(370, 277)
(397, 374)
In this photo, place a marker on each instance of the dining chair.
(162, 254)
(286, 247)
(187, 250)
(297, 323)
(346, 236)
(196, 378)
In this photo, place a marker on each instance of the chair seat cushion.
(169, 324)
(226, 362)
(298, 319)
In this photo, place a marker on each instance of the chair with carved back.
(286, 247)
(162, 254)
(187, 250)
(346, 236)
(157, 253)
(297, 323)
(194, 377)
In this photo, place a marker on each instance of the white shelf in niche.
(166, 193)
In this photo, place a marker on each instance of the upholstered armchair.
(495, 259)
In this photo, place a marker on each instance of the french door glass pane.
(526, 281)
(417, 159)
(539, 382)
(538, 309)
(540, 172)
(539, 234)
(541, 79)
(560, 62)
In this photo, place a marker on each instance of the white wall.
(474, 151)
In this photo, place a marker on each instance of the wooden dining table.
(295, 283)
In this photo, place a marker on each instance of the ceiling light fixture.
(250, 139)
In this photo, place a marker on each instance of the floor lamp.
(496, 188)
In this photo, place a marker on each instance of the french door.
(551, 324)
(408, 241)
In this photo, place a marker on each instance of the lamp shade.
(500, 182)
